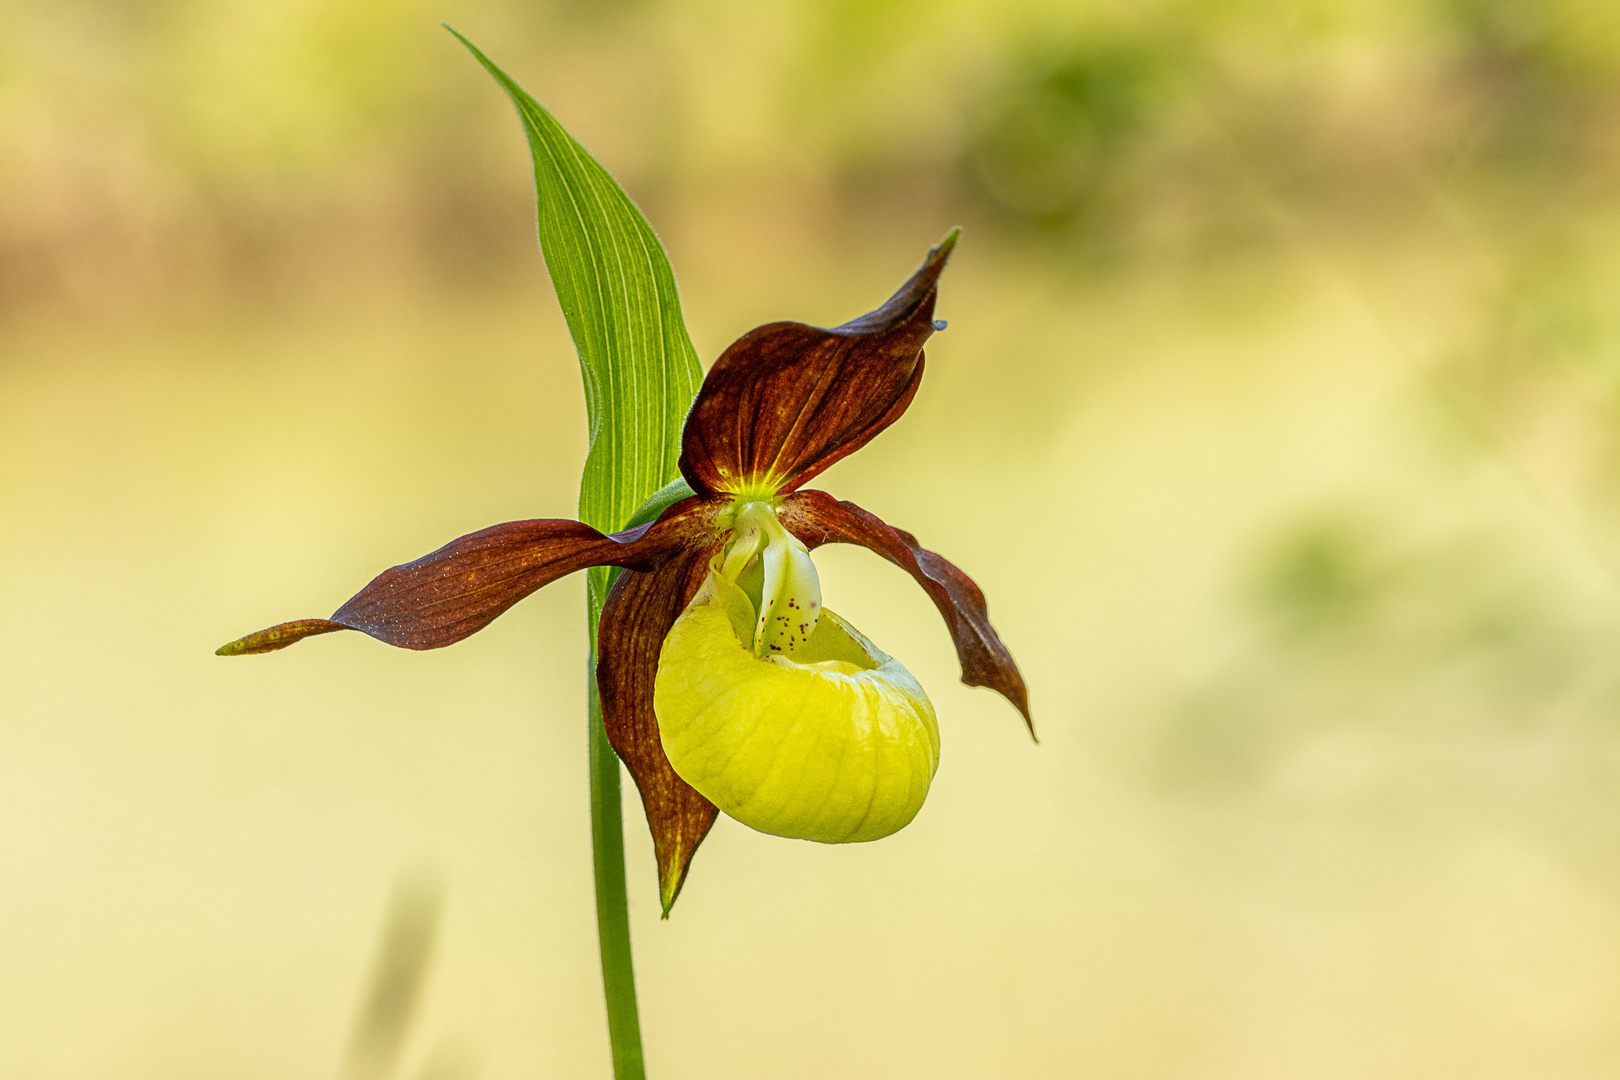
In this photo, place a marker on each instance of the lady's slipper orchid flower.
(724, 683)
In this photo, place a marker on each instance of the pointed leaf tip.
(619, 298)
(459, 36)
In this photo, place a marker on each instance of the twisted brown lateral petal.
(638, 614)
(787, 400)
(459, 589)
(817, 518)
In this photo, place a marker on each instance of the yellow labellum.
(837, 744)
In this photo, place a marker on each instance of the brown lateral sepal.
(638, 614)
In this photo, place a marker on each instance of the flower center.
(773, 569)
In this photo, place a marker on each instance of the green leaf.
(617, 292)
(641, 373)
(659, 501)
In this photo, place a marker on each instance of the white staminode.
(773, 567)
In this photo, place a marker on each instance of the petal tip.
(1019, 697)
(1014, 691)
(278, 637)
(918, 290)
(670, 881)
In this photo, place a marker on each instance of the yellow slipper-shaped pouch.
(837, 743)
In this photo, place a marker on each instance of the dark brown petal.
(459, 589)
(639, 612)
(787, 400)
(817, 518)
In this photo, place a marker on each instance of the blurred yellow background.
(1278, 416)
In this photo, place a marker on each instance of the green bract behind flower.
(836, 744)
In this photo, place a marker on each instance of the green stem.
(607, 831)
(612, 902)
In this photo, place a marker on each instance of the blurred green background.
(1279, 417)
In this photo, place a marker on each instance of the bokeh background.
(1279, 417)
